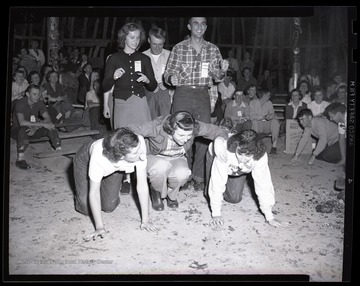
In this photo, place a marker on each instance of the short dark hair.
(158, 33)
(246, 142)
(302, 112)
(32, 86)
(334, 107)
(180, 119)
(118, 143)
(296, 90)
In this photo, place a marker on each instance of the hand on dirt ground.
(149, 226)
(295, 158)
(341, 162)
(217, 221)
(311, 160)
(277, 223)
(99, 232)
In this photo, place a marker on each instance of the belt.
(194, 86)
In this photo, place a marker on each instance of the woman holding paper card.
(130, 72)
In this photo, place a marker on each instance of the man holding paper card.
(193, 65)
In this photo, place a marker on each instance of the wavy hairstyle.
(246, 142)
(126, 29)
(118, 143)
(180, 119)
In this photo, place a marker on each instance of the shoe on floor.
(173, 204)
(126, 188)
(22, 164)
(199, 186)
(273, 151)
(156, 200)
(341, 196)
(340, 183)
(186, 186)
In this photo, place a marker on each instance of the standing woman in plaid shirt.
(192, 67)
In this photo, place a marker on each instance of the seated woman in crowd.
(304, 88)
(57, 98)
(295, 104)
(318, 105)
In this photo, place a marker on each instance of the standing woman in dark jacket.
(130, 72)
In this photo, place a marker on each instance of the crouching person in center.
(246, 154)
(169, 138)
(99, 167)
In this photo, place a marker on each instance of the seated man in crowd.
(325, 131)
(31, 120)
(246, 153)
(168, 140)
(263, 117)
(238, 112)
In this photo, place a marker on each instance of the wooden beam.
(271, 40)
(266, 22)
(83, 33)
(213, 32)
(105, 28)
(113, 28)
(96, 28)
(243, 34)
(257, 28)
(280, 28)
(72, 22)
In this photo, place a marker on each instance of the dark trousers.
(21, 136)
(109, 189)
(197, 103)
(234, 186)
(330, 154)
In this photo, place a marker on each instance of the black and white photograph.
(180, 143)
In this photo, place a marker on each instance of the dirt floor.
(46, 233)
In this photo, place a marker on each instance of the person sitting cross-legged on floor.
(326, 133)
(31, 120)
(169, 138)
(246, 154)
(263, 117)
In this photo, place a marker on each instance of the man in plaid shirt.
(193, 66)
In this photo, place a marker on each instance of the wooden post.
(256, 37)
(266, 23)
(213, 32)
(271, 39)
(308, 49)
(83, 34)
(105, 28)
(243, 35)
(280, 29)
(53, 41)
(113, 29)
(167, 33)
(320, 46)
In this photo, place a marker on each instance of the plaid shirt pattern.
(173, 149)
(186, 63)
